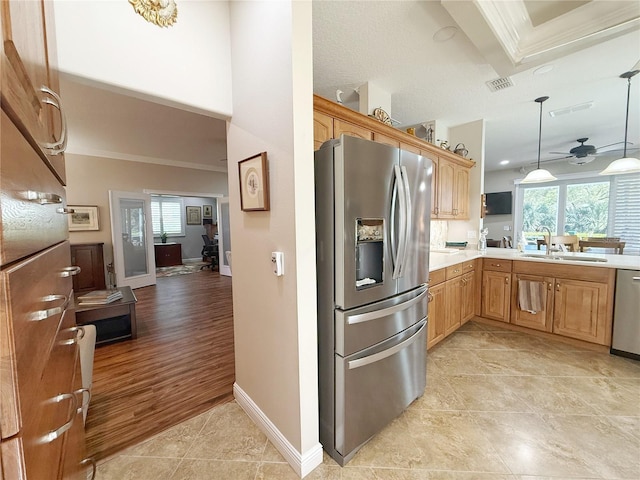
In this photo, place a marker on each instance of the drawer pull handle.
(85, 398)
(79, 334)
(66, 211)
(53, 434)
(496, 265)
(506, 280)
(53, 99)
(54, 298)
(70, 271)
(92, 462)
(40, 315)
(43, 198)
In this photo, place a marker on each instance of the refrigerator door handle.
(365, 317)
(376, 357)
(403, 222)
(392, 223)
(409, 215)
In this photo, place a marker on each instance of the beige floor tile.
(457, 362)
(514, 362)
(472, 340)
(451, 441)
(469, 476)
(531, 446)
(487, 393)
(173, 442)
(629, 425)
(543, 394)
(439, 395)
(598, 364)
(472, 326)
(520, 341)
(609, 452)
(367, 473)
(215, 470)
(271, 454)
(137, 468)
(282, 471)
(605, 395)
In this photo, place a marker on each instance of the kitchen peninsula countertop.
(442, 260)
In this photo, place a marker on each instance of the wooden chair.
(570, 241)
(603, 242)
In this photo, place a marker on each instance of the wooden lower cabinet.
(437, 314)
(468, 304)
(496, 295)
(539, 320)
(581, 310)
(89, 257)
(453, 294)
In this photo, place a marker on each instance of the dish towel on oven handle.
(531, 296)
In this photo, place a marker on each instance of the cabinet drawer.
(468, 266)
(437, 276)
(496, 265)
(453, 271)
(35, 293)
(30, 197)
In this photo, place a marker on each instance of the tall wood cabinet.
(90, 259)
(450, 176)
(39, 359)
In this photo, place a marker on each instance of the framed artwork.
(194, 216)
(254, 183)
(83, 218)
(207, 211)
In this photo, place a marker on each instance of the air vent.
(499, 84)
(572, 109)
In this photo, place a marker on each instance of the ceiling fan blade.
(615, 151)
(551, 160)
(560, 153)
(612, 144)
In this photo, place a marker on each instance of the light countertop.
(442, 260)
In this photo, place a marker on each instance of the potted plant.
(163, 237)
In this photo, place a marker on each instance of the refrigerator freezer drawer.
(375, 386)
(363, 327)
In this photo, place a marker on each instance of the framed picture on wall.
(254, 183)
(207, 211)
(194, 216)
(83, 218)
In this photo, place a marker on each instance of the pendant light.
(539, 175)
(624, 164)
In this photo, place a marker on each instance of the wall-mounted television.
(498, 203)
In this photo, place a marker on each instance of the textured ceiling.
(390, 44)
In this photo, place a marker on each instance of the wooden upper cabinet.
(30, 90)
(387, 140)
(446, 184)
(461, 193)
(322, 129)
(340, 127)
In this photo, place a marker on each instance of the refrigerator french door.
(372, 239)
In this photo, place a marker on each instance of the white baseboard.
(302, 464)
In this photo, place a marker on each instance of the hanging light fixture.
(624, 164)
(539, 175)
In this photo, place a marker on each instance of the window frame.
(169, 199)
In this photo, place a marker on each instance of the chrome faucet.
(540, 229)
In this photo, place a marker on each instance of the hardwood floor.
(181, 364)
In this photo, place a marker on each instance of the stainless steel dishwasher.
(626, 315)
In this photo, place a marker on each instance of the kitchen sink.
(570, 258)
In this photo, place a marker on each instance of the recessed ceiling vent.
(499, 84)
(572, 109)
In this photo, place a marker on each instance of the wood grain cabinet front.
(90, 259)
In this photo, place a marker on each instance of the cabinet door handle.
(430, 297)
(549, 286)
(557, 287)
(506, 280)
(79, 334)
(43, 198)
(70, 271)
(496, 265)
(40, 315)
(53, 99)
(92, 462)
(53, 434)
(65, 210)
(456, 271)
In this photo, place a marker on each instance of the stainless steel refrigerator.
(373, 204)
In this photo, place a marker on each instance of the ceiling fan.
(583, 154)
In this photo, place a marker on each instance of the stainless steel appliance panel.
(375, 386)
(416, 176)
(626, 321)
(362, 327)
(364, 185)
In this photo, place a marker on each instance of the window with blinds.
(626, 211)
(167, 215)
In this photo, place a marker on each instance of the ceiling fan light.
(622, 165)
(539, 175)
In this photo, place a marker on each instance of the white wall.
(472, 135)
(275, 317)
(186, 65)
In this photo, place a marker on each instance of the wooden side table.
(113, 321)
(168, 254)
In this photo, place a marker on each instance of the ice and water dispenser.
(369, 252)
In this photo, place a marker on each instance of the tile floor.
(498, 405)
